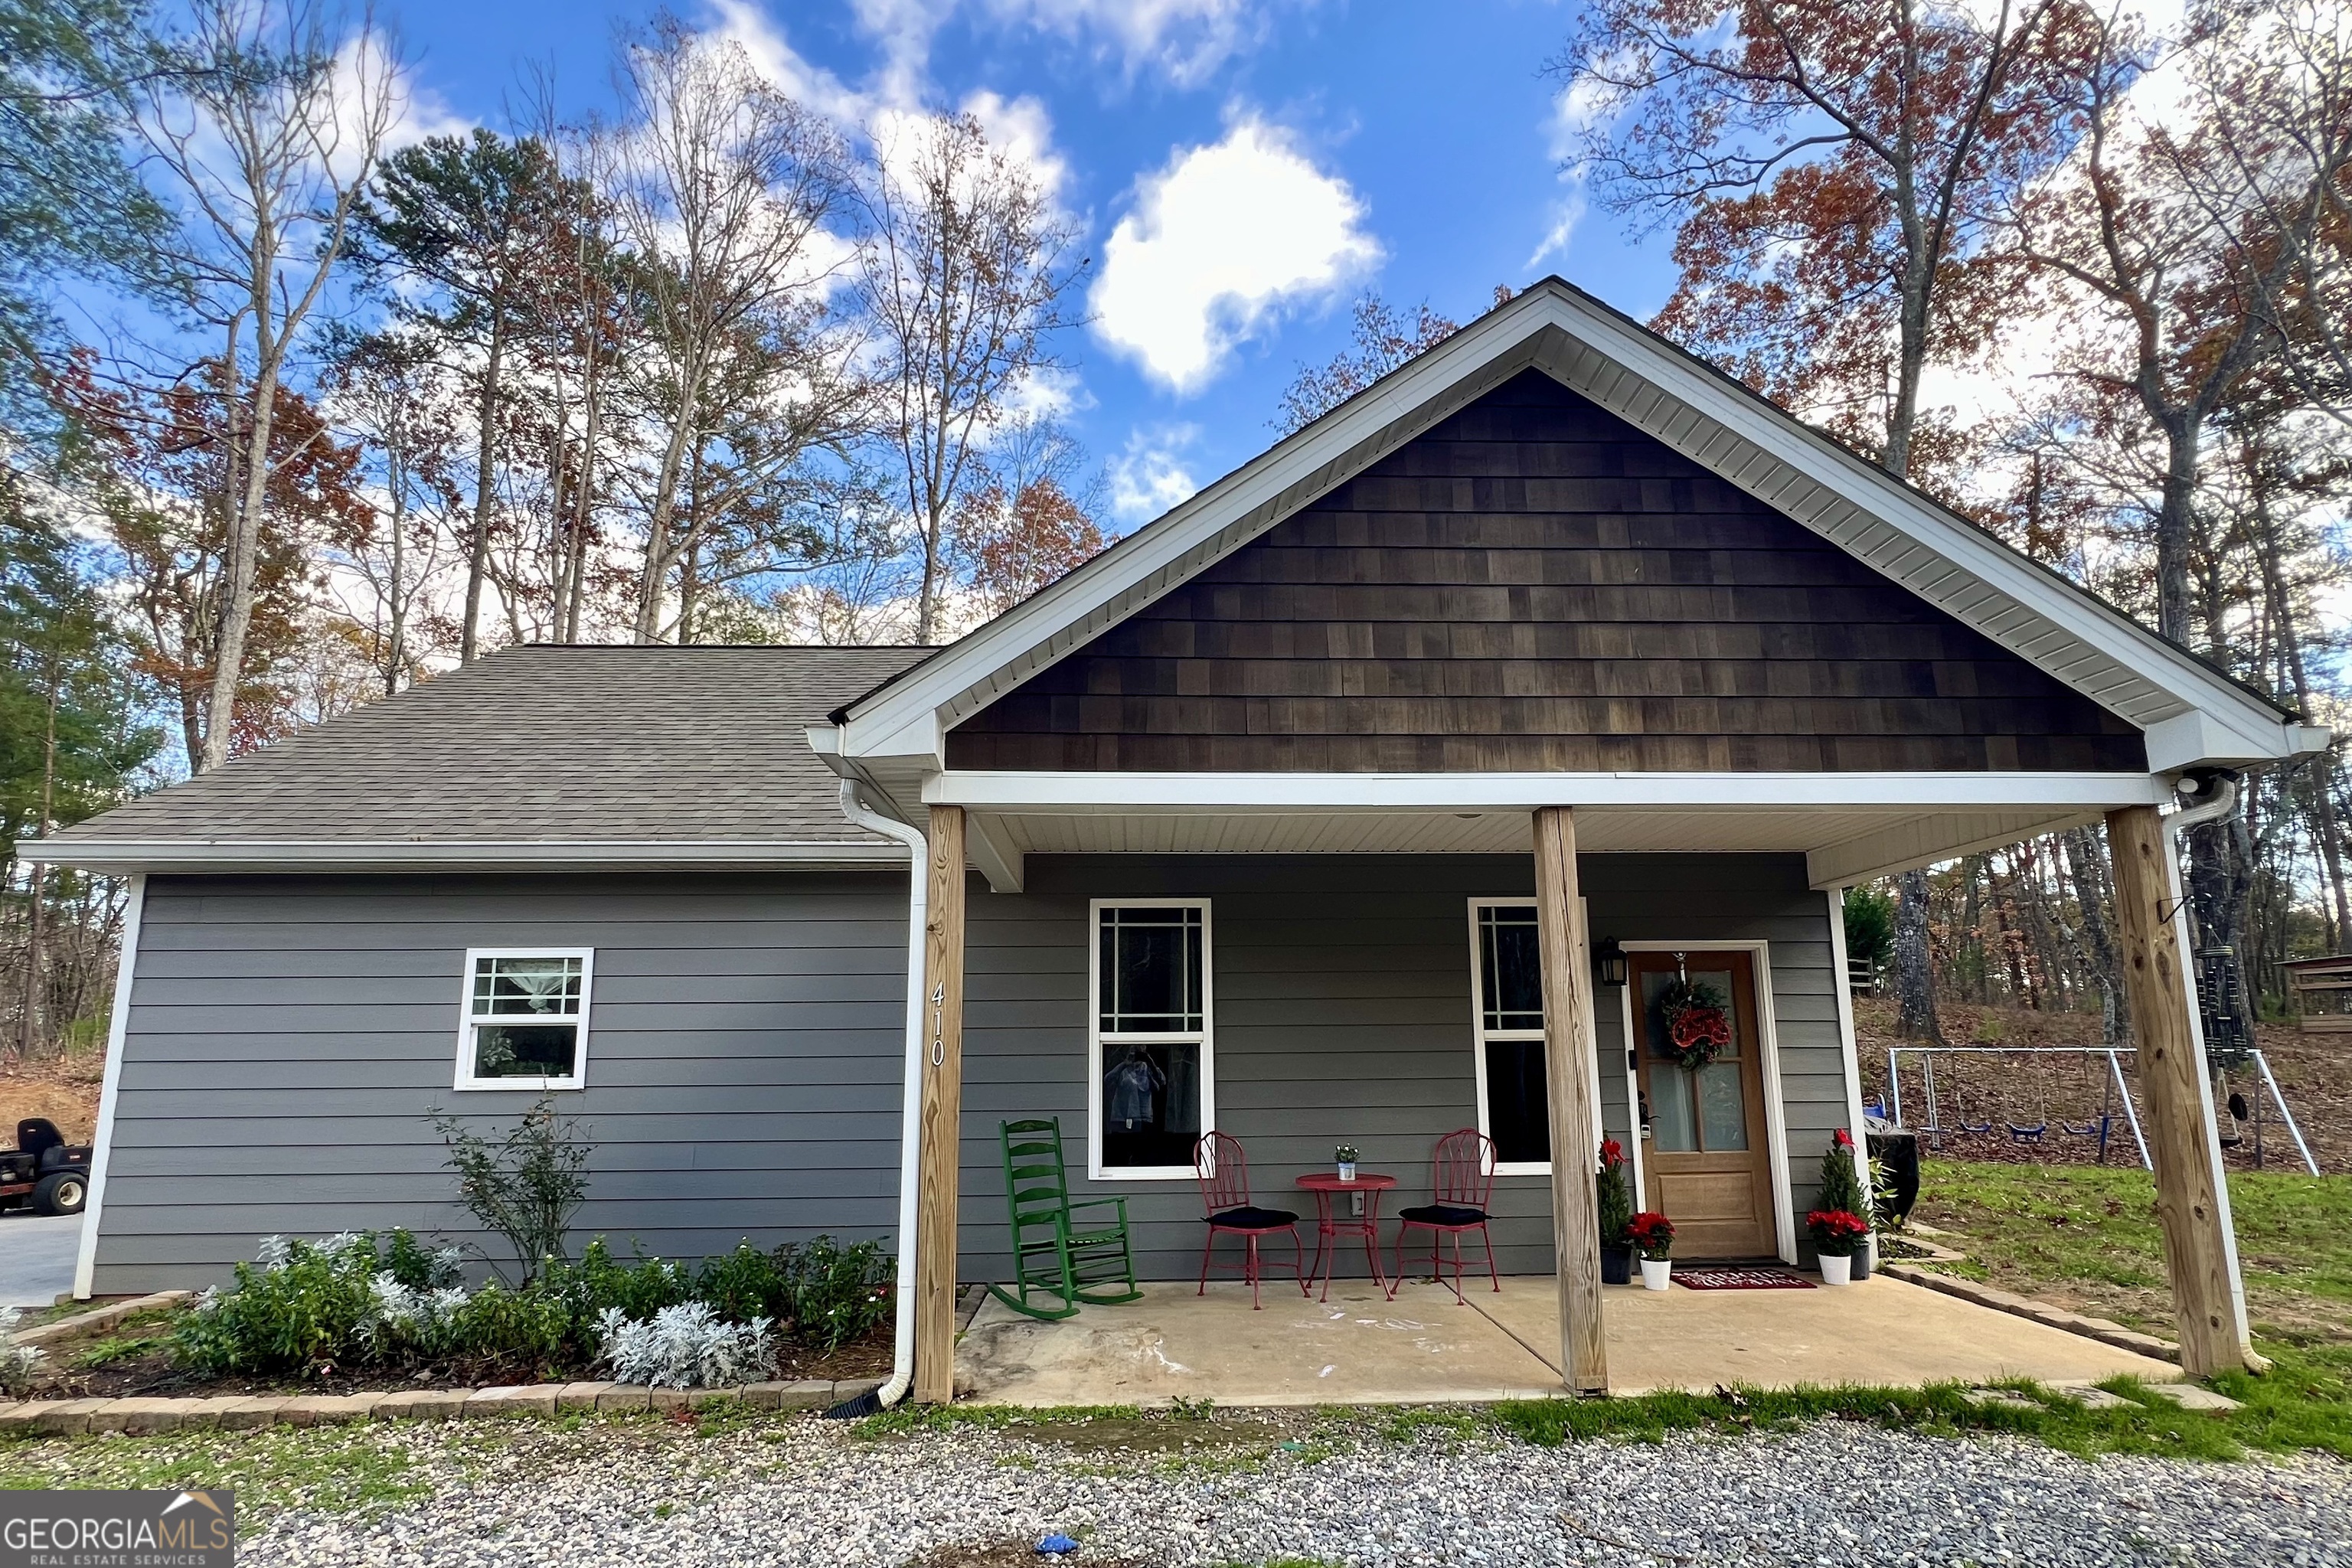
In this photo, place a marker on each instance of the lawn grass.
(2086, 1236)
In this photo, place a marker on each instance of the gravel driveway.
(805, 1491)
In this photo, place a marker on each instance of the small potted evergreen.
(1841, 1192)
(1653, 1234)
(1344, 1156)
(1837, 1233)
(1612, 1190)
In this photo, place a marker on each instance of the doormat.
(1740, 1279)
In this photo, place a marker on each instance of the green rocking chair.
(1059, 1260)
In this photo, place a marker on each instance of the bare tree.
(266, 142)
(963, 278)
(724, 191)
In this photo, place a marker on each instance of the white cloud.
(1150, 477)
(1217, 243)
(772, 56)
(1182, 41)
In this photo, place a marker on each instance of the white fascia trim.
(1102, 793)
(109, 1093)
(199, 854)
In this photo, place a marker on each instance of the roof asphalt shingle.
(547, 744)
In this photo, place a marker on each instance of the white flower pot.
(1656, 1272)
(1836, 1270)
(1346, 1170)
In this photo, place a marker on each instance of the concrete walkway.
(37, 1258)
(1362, 1349)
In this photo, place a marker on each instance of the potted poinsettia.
(1841, 1190)
(1616, 1205)
(1836, 1233)
(1344, 1156)
(1653, 1236)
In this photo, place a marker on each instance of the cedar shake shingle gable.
(1534, 586)
(566, 744)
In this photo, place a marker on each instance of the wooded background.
(296, 410)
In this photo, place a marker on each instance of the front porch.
(1361, 1348)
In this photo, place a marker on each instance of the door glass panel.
(1722, 1106)
(1690, 1112)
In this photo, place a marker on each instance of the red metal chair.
(1464, 1187)
(1223, 1170)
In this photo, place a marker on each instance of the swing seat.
(2097, 1127)
(1979, 1128)
(2026, 1134)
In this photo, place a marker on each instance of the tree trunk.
(486, 456)
(242, 564)
(2083, 859)
(29, 1018)
(1914, 975)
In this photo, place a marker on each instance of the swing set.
(2115, 1099)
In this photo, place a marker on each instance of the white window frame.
(1095, 1039)
(1480, 1034)
(467, 1019)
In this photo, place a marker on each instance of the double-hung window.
(1507, 1021)
(1152, 1062)
(524, 1019)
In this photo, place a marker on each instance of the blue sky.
(1268, 162)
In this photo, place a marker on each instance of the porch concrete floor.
(1362, 1349)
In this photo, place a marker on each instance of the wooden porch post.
(942, 1155)
(1575, 1119)
(2192, 1195)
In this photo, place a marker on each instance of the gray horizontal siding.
(290, 1039)
(1342, 989)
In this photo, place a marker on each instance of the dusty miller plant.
(525, 1186)
(16, 1361)
(685, 1346)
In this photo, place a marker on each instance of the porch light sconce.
(1608, 962)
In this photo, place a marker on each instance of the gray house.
(1375, 792)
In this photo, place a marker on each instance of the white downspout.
(910, 1137)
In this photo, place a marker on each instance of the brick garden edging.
(2016, 1306)
(69, 1418)
(81, 1325)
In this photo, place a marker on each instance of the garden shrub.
(744, 1284)
(304, 1301)
(639, 1289)
(686, 1346)
(837, 1292)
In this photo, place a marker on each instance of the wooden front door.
(1706, 1161)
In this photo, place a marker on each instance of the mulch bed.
(151, 1375)
(2314, 1074)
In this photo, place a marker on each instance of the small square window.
(525, 1024)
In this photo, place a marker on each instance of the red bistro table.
(1330, 1226)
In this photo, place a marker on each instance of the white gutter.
(910, 1135)
(207, 855)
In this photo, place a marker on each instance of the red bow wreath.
(1698, 1030)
